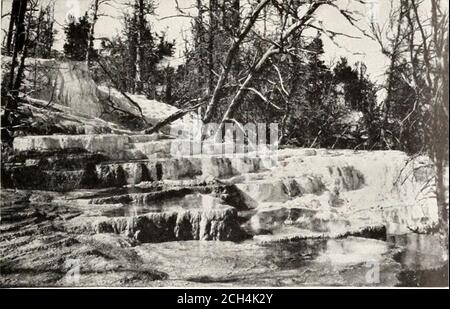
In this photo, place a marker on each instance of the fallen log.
(175, 116)
(122, 92)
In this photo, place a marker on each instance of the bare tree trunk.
(433, 49)
(11, 105)
(270, 52)
(139, 12)
(38, 40)
(394, 55)
(213, 28)
(24, 55)
(200, 44)
(440, 112)
(19, 37)
(12, 21)
(235, 25)
(230, 57)
(91, 33)
(20, 26)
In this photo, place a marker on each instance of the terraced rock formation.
(92, 202)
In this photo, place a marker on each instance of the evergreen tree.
(317, 100)
(77, 38)
(317, 72)
(360, 95)
(122, 55)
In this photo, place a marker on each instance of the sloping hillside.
(69, 84)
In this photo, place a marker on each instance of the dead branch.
(175, 116)
(274, 49)
(230, 57)
(122, 92)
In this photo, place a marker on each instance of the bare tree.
(213, 28)
(12, 22)
(19, 39)
(230, 58)
(95, 16)
(422, 43)
(295, 16)
(200, 41)
(275, 48)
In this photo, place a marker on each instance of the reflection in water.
(294, 263)
(424, 260)
(311, 262)
(403, 260)
(190, 201)
(420, 251)
(353, 251)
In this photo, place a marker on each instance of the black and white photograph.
(224, 144)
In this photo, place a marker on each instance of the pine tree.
(317, 72)
(135, 57)
(360, 95)
(77, 38)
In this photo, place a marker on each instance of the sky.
(362, 49)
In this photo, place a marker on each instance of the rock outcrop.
(89, 186)
(69, 83)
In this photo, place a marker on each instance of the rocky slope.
(68, 87)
